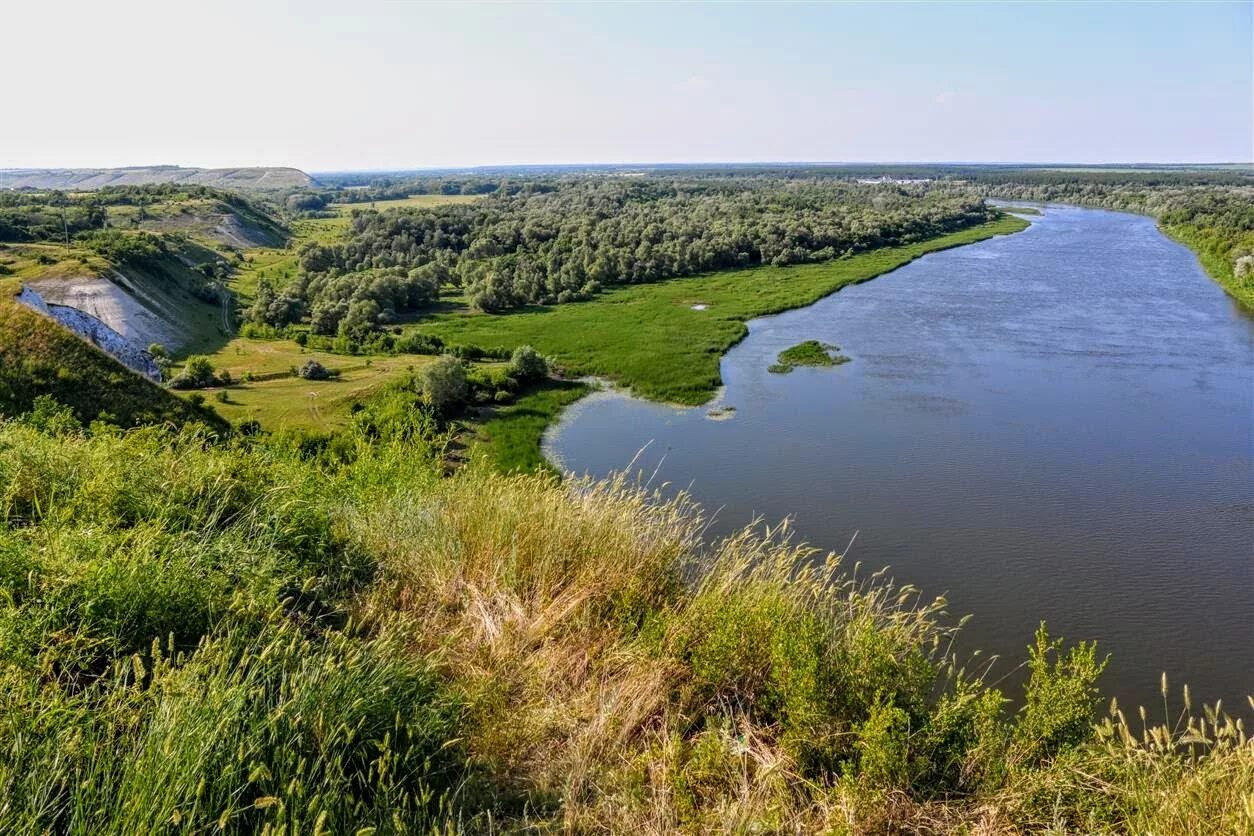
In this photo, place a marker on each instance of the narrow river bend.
(1056, 425)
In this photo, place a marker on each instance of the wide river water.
(1055, 425)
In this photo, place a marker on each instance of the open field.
(414, 201)
(295, 403)
(652, 339)
(278, 399)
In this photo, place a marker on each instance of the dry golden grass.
(539, 657)
(564, 612)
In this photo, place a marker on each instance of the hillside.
(245, 638)
(39, 357)
(128, 267)
(86, 179)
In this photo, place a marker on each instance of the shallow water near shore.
(1055, 425)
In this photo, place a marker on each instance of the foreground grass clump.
(298, 635)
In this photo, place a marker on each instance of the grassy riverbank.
(657, 340)
(1214, 250)
(508, 438)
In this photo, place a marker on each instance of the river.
(1055, 425)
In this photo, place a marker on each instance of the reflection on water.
(1053, 425)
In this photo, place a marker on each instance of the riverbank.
(664, 341)
(1215, 256)
(508, 439)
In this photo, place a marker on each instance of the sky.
(362, 84)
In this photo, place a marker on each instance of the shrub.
(49, 416)
(527, 364)
(1060, 699)
(313, 370)
(416, 343)
(197, 374)
(443, 384)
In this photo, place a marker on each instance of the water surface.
(1057, 425)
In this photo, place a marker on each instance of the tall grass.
(281, 637)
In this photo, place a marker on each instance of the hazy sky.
(354, 84)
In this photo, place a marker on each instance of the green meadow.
(507, 439)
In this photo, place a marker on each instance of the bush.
(416, 343)
(1060, 699)
(443, 383)
(197, 373)
(313, 370)
(527, 364)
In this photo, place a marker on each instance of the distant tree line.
(562, 240)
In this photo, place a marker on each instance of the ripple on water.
(1053, 425)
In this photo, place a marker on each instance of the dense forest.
(556, 241)
(554, 235)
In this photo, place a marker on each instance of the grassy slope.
(648, 337)
(39, 357)
(278, 400)
(205, 638)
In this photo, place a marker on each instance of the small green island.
(808, 353)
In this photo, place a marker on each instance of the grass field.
(653, 340)
(508, 439)
(279, 400)
(414, 201)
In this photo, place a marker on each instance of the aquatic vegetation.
(808, 353)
